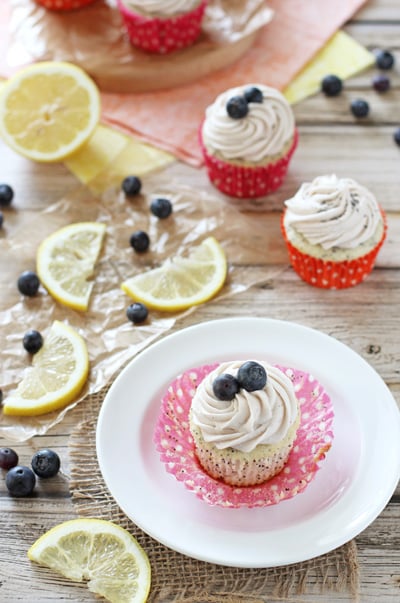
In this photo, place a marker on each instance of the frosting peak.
(251, 418)
(333, 212)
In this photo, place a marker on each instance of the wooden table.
(366, 317)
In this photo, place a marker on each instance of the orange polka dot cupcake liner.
(64, 4)
(247, 181)
(175, 444)
(327, 274)
(165, 35)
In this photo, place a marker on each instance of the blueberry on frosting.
(253, 95)
(237, 107)
(225, 387)
(252, 376)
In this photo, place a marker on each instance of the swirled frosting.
(251, 418)
(333, 212)
(162, 7)
(264, 131)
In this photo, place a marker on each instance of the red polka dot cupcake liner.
(64, 4)
(175, 444)
(165, 35)
(326, 274)
(246, 181)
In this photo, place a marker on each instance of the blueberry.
(253, 95)
(137, 312)
(32, 341)
(6, 195)
(28, 283)
(131, 185)
(225, 387)
(252, 376)
(237, 107)
(381, 82)
(45, 463)
(331, 85)
(359, 108)
(1, 219)
(384, 59)
(161, 208)
(8, 458)
(20, 481)
(140, 241)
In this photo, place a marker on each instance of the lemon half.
(181, 282)
(104, 554)
(58, 373)
(48, 110)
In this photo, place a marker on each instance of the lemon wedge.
(181, 282)
(58, 373)
(48, 110)
(66, 260)
(104, 554)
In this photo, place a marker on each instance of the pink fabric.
(171, 118)
(175, 444)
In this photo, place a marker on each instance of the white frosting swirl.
(251, 418)
(162, 7)
(263, 132)
(333, 212)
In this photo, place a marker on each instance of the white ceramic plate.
(353, 485)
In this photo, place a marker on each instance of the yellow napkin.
(341, 56)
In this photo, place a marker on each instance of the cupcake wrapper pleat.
(247, 181)
(64, 4)
(327, 274)
(166, 35)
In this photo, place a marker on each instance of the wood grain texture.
(365, 317)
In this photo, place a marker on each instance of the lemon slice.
(66, 261)
(48, 110)
(99, 551)
(58, 373)
(181, 282)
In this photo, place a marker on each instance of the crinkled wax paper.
(112, 340)
(94, 38)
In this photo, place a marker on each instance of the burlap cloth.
(177, 578)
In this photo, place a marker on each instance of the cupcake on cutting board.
(334, 229)
(162, 26)
(247, 138)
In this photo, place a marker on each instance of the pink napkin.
(170, 118)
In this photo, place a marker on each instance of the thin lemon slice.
(48, 110)
(58, 373)
(66, 261)
(99, 551)
(181, 282)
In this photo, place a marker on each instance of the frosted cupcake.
(244, 418)
(333, 228)
(162, 26)
(64, 4)
(247, 138)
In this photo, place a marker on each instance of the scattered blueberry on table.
(131, 185)
(381, 82)
(28, 283)
(384, 59)
(161, 208)
(1, 219)
(8, 458)
(45, 463)
(237, 107)
(359, 108)
(20, 481)
(32, 341)
(137, 312)
(6, 195)
(331, 85)
(140, 241)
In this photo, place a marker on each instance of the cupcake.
(162, 26)
(244, 419)
(247, 138)
(64, 4)
(333, 228)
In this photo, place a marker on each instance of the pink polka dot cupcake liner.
(64, 4)
(247, 182)
(175, 444)
(162, 35)
(326, 274)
